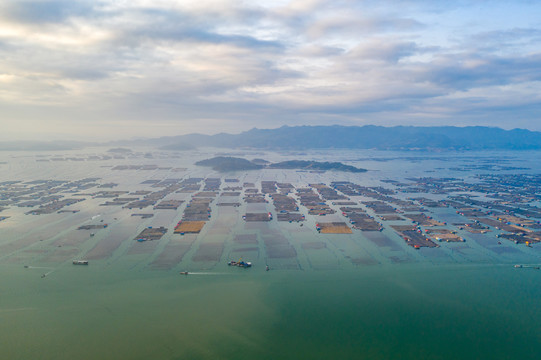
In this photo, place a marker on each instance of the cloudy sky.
(127, 68)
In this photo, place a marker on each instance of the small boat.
(267, 268)
(80, 262)
(43, 275)
(240, 263)
(184, 273)
(518, 266)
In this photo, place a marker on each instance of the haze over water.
(360, 296)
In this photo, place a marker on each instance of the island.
(315, 165)
(120, 150)
(226, 163)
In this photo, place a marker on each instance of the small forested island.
(225, 163)
(228, 163)
(260, 161)
(315, 165)
(120, 150)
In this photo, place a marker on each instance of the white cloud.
(234, 65)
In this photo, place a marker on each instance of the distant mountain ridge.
(324, 137)
(367, 137)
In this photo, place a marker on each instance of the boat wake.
(16, 309)
(528, 266)
(41, 267)
(204, 273)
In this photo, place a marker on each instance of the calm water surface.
(455, 302)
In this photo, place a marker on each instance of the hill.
(225, 163)
(368, 137)
(314, 165)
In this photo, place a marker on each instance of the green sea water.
(406, 312)
(354, 298)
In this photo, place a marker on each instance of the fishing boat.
(240, 263)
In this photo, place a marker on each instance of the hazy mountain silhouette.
(366, 137)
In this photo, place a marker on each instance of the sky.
(121, 69)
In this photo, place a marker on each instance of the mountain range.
(328, 137)
(365, 137)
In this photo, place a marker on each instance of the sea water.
(392, 302)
